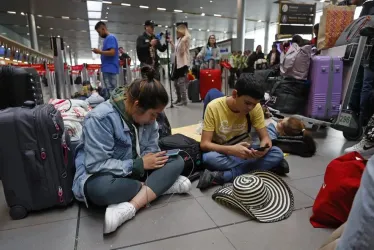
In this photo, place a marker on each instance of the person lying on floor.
(226, 118)
(118, 162)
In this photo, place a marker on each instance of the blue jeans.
(110, 82)
(362, 94)
(233, 166)
(358, 232)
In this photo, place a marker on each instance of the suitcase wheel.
(18, 212)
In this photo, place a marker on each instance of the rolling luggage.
(16, 87)
(36, 161)
(209, 79)
(326, 87)
(194, 91)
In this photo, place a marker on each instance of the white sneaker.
(181, 186)
(116, 215)
(364, 147)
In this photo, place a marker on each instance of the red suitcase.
(209, 79)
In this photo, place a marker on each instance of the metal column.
(240, 27)
(75, 59)
(71, 58)
(57, 45)
(32, 31)
(267, 26)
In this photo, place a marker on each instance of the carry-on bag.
(326, 87)
(210, 79)
(36, 161)
(289, 96)
(16, 87)
(194, 90)
(190, 151)
(39, 94)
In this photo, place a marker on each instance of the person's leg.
(112, 82)
(358, 232)
(105, 190)
(178, 92)
(367, 89)
(182, 84)
(167, 179)
(157, 74)
(106, 83)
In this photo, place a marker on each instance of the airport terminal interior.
(30, 28)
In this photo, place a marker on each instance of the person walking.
(109, 57)
(146, 48)
(182, 60)
(126, 59)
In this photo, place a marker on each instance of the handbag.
(242, 137)
(335, 198)
(333, 22)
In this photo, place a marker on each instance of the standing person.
(315, 39)
(147, 46)
(182, 60)
(124, 57)
(210, 51)
(109, 57)
(118, 162)
(273, 57)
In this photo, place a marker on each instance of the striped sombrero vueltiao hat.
(262, 195)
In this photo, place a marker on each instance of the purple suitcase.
(326, 87)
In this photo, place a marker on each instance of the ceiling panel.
(126, 22)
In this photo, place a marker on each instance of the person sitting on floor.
(95, 98)
(118, 162)
(226, 118)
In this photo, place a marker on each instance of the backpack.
(190, 151)
(295, 63)
(164, 128)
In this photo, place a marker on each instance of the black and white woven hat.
(261, 194)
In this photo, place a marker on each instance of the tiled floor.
(192, 221)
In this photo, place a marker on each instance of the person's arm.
(185, 44)
(218, 56)
(202, 52)
(99, 150)
(141, 44)
(111, 52)
(111, 45)
(152, 144)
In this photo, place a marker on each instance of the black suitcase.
(16, 87)
(36, 164)
(35, 81)
(194, 91)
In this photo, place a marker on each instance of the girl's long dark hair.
(215, 43)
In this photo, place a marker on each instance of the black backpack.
(164, 128)
(190, 151)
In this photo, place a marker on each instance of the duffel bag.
(190, 151)
(289, 96)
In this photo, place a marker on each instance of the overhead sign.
(296, 18)
(299, 9)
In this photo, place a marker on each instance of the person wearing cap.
(147, 45)
(182, 61)
(109, 57)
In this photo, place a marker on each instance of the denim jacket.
(106, 147)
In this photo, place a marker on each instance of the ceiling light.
(143, 7)
(27, 25)
(194, 39)
(92, 23)
(190, 28)
(125, 4)
(178, 11)
(38, 27)
(201, 7)
(185, 17)
(225, 32)
(166, 26)
(199, 29)
(131, 50)
(211, 1)
(94, 14)
(40, 15)
(322, 1)
(217, 15)
(22, 13)
(107, 8)
(203, 14)
(106, 17)
(208, 30)
(103, 20)
(107, 13)
(259, 21)
(51, 28)
(68, 46)
(94, 6)
(162, 9)
(65, 17)
(107, 2)
(159, 25)
(12, 12)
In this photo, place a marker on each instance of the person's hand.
(265, 142)
(241, 150)
(198, 57)
(154, 42)
(96, 51)
(154, 161)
